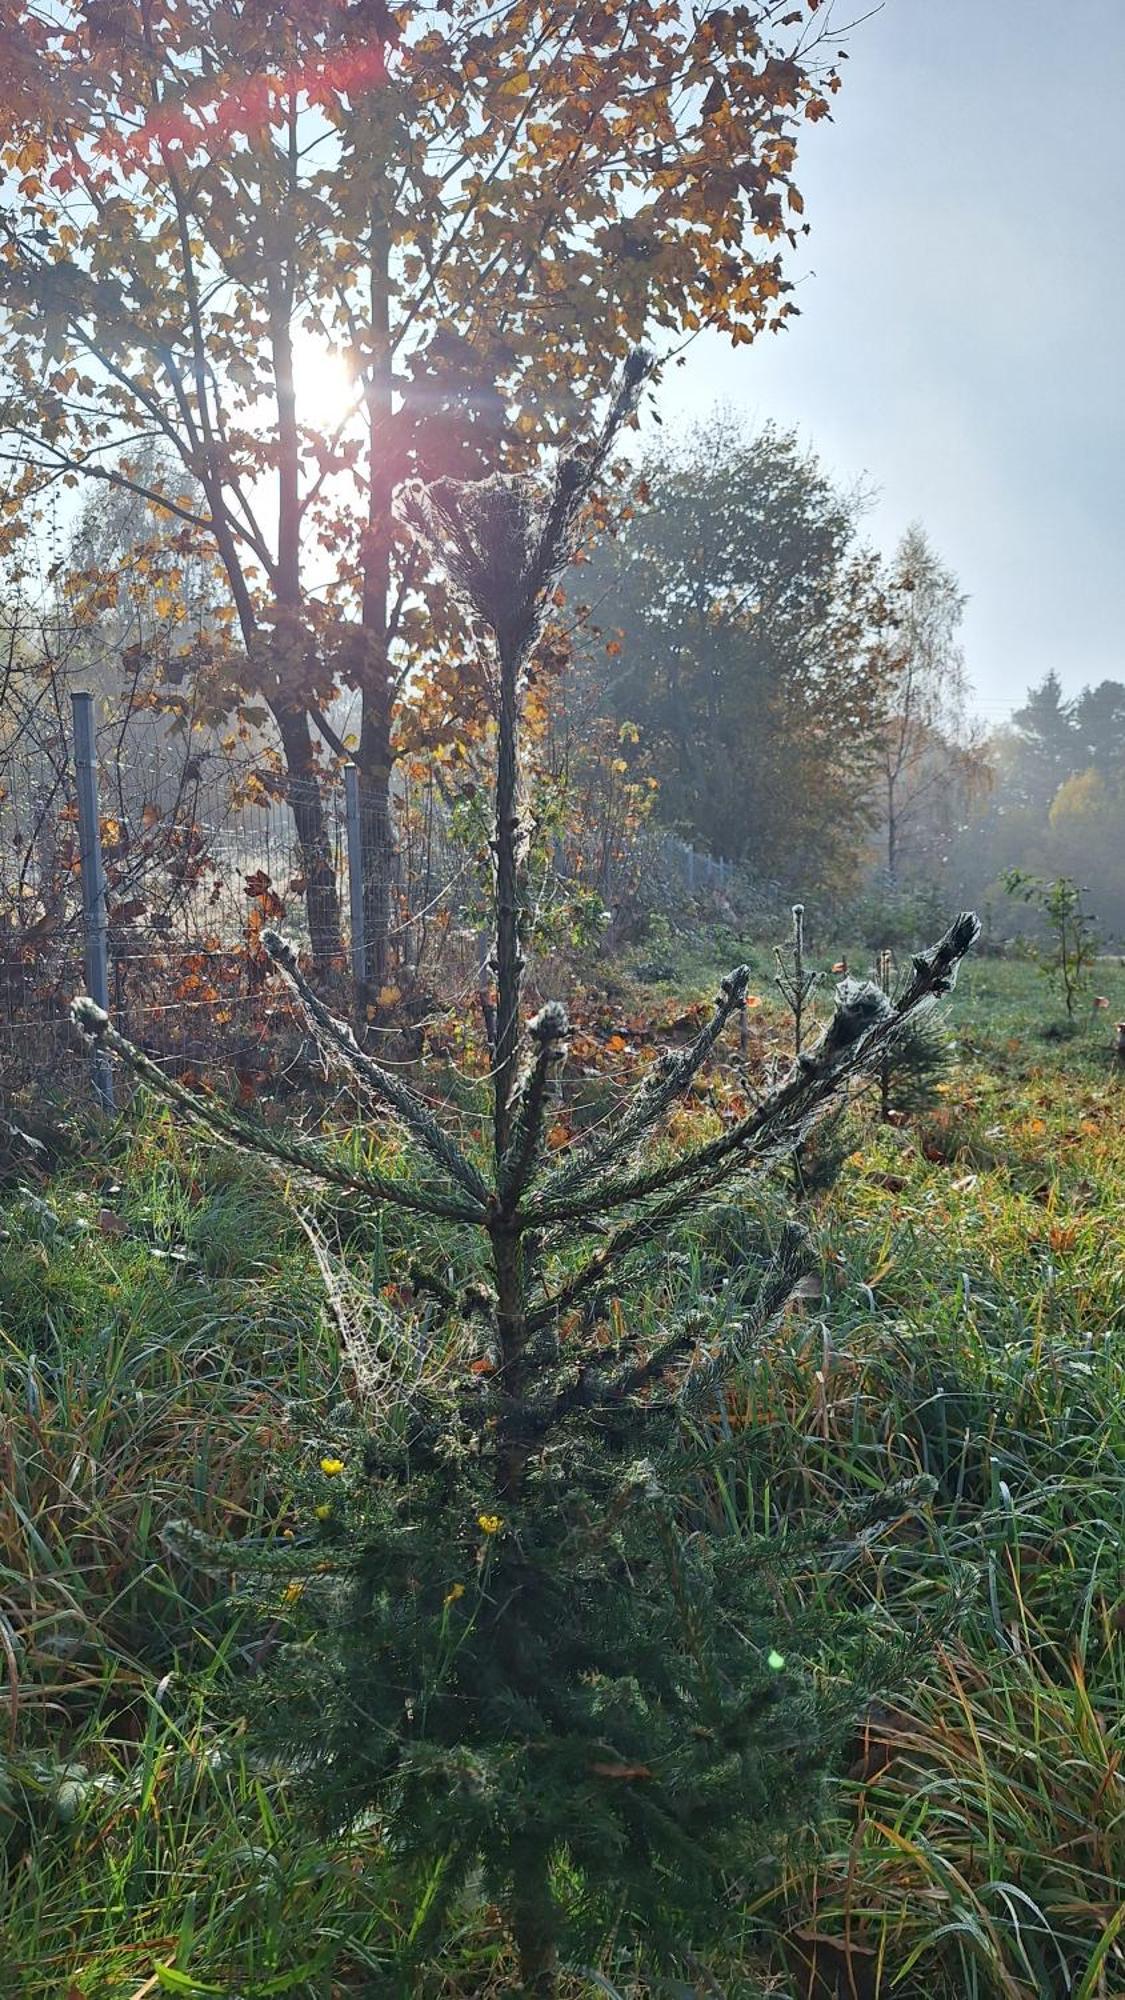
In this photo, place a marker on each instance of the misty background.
(962, 297)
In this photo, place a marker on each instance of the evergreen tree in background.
(1099, 724)
(1046, 737)
(515, 1642)
(1056, 739)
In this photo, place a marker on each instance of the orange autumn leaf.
(1063, 1236)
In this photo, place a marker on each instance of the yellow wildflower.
(331, 1466)
(293, 1591)
(455, 1591)
(489, 1524)
(324, 1511)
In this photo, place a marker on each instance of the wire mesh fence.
(199, 851)
(196, 856)
(186, 885)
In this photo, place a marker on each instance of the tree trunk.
(532, 1921)
(375, 760)
(315, 850)
(375, 764)
(290, 642)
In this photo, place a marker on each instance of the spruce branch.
(639, 1483)
(338, 1042)
(548, 1033)
(587, 1392)
(934, 972)
(301, 1156)
(670, 1080)
(787, 1266)
(669, 1350)
(865, 1025)
(266, 1556)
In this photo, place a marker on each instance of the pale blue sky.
(962, 330)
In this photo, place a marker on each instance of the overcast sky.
(962, 329)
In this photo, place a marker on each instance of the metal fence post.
(95, 920)
(355, 889)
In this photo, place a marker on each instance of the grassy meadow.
(168, 1355)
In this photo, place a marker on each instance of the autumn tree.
(736, 622)
(479, 212)
(1085, 838)
(931, 756)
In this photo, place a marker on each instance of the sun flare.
(325, 386)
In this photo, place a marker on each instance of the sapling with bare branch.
(1072, 952)
(816, 1163)
(518, 1650)
(796, 981)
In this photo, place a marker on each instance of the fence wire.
(199, 855)
(200, 850)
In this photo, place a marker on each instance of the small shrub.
(1068, 958)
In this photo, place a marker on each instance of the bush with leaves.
(1072, 950)
(516, 1647)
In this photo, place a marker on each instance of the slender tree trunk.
(375, 764)
(375, 759)
(509, 908)
(317, 866)
(533, 1923)
(291, 662)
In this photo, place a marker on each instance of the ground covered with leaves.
(167, 1355)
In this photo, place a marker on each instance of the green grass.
(173, 1361)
